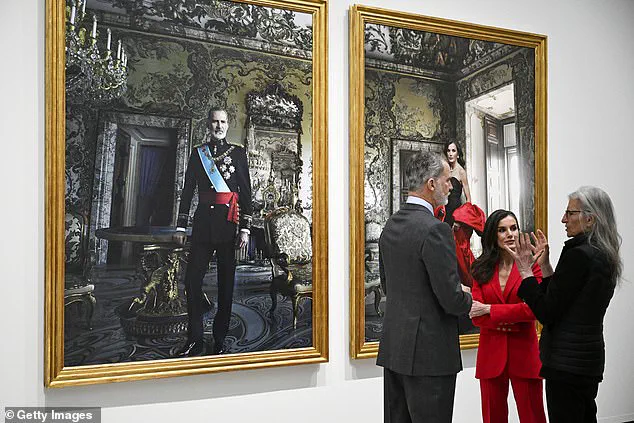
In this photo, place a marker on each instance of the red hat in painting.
(470, 215)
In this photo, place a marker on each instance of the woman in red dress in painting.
(467, 218)
(508, 349)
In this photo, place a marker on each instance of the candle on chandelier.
(119, 50)
(72, 15)
(83, 7)
(94, 26)
(109, 39)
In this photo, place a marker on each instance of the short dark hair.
(216, 109)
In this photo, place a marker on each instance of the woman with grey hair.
(571, 302)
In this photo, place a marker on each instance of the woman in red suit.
(508, 348)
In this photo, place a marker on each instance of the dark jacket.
(210, 223)
(417, 258)
(571, 304)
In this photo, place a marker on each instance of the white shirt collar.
(421, 202)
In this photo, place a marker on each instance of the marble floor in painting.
(252, 328)
(374, 323)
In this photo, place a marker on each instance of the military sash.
(216, 179)
(223, 194)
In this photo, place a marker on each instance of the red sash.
(230, 198)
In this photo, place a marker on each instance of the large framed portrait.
(186, 172)
(420, 83)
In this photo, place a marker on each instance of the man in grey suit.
(420, 347)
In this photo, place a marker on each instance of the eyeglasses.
(569, 213)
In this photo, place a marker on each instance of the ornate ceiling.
(442, 56)
(275, 26)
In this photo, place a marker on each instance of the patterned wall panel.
(398, 107)
(80, 157)
(519, 69)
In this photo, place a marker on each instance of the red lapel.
(514, 279)
(495, 284)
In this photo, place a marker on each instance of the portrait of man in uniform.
(220, 172)
(194, 148)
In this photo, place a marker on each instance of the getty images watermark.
(52, 414)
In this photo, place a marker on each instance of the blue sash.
(216, 179)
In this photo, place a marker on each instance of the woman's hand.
(524, 255)
(541, 248)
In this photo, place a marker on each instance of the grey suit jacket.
(417, 257)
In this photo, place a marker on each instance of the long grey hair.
(603, 234)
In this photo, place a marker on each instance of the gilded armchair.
(372, 278)
(288, 240)
(78, 288)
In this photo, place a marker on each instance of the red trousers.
(528, 397)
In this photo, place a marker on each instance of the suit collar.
(495, 283)
(514, 279)
(220, 143)
(410, 206)
(217, 147)
(420, 201)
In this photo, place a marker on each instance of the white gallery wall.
(590, 141)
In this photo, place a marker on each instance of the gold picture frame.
(56, 373)
(402, 24)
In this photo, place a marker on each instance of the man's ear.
(431, 184)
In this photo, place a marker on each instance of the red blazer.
(507, 335)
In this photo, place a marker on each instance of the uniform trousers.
(199, 257)
(418, 399)
(528, 395)
(571, 403)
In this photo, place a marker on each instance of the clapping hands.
(541, 246)
(526, 253)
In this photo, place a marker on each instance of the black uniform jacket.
(210, 220)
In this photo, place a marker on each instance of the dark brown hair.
(483, 267)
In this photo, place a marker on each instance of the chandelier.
(91, 77)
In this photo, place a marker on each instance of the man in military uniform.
(220, 171)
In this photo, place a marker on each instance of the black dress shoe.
(219, 349)
(191, 349)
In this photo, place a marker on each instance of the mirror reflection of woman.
(459, 182)
(508, 348)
